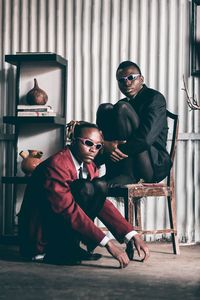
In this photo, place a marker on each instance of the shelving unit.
(44, 133)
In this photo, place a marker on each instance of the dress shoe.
(82, 254)
(78, 255)
(130, 249)
(55, 260)
(115, 185)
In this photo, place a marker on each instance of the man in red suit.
(58, 208)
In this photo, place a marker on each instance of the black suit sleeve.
(152, 122)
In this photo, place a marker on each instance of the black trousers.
(62, 240)
(90, 195)
(118, 122)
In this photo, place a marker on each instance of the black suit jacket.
(150, 105)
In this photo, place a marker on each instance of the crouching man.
(62, 199)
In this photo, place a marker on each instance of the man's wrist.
(104, 242)
(129, 236)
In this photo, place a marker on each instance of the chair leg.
(172, 219)
(126, 208)
(138, 216)
(130, 205)
(128, 212)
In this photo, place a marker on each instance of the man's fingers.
(138, 249)
(141, 246)
(120, 153)
(123, 260)
(117, 155)
(121, 265)
(121, 142)
(146, 254)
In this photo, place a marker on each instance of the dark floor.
(163, 276)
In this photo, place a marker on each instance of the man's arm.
(113, 152)
(152, 121)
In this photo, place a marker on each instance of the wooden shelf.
(21, 57)
(47, 130)
(21, 120)
(15, 179)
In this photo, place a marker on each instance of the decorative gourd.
(31, 160)
(36, 96)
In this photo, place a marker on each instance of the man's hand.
(111, 147)
(141, 246)
(118, 253)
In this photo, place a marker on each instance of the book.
(36, 114)
(34, 108)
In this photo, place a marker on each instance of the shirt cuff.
(104, 242)
(129, 236)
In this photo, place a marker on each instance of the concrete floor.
(163, 276)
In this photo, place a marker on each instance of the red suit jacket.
(48, 197)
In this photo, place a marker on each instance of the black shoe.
(78, 255)
(115, 185)
(86, 255)
(130, 249)
(54, 260)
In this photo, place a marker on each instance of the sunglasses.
(130, 77)
(90, 143)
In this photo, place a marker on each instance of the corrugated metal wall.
(95, 35)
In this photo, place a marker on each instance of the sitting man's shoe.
(82, 254)
(115, 185)
(130, 249)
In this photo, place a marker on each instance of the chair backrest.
(175, 126)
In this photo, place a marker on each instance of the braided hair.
(74, 129)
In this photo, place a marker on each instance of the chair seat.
(141, 190)
(148, 189)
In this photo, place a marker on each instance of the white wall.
(95, 36)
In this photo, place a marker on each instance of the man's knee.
(100, 187)
(105, 107)
(124, 111)
(82, 190)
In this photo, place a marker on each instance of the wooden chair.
(132, 192)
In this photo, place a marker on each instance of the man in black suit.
(135, 131)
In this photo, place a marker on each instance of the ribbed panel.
(95, 36)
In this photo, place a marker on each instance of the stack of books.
(35, 111)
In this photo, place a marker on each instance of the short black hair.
(82, 125)
(127, 63)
